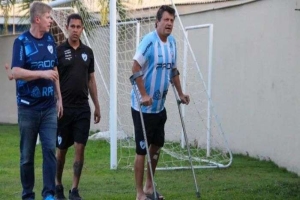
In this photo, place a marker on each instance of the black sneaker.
(59, 192)
(74, 195)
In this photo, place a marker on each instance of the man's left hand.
(185, 99)
(97, 116)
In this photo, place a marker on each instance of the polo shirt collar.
(68, 45)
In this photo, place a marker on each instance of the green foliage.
(246, 179)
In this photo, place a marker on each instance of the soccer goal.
(129, 22)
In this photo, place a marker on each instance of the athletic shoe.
(74, 195)
(49, 197)
(59, 192)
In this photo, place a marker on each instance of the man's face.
(165, 25)
(75, 29)
(45, 22)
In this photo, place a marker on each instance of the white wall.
(8, 108)
(256, 77)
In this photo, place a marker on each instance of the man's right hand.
(146, 100)
(8, 72)
(50, 75)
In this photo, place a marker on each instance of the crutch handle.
(134, 76)
(174, 73)
(179, 101)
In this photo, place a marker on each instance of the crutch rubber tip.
(198, 194)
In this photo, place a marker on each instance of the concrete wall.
(255, 77)
(8, 108)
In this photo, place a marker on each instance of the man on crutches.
(153, 67)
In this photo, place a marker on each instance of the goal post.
(114, 45)
(210, 52)
(113, 127)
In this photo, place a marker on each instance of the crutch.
(132, 80)
(173, 74)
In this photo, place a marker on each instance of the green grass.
(246, 179)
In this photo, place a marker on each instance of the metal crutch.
(132, 80)
(176, 73)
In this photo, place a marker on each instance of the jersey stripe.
(157, 59)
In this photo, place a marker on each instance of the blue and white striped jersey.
(157, 60)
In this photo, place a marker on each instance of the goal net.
(135, 18)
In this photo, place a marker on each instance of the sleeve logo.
(143, 144)
(59, 140)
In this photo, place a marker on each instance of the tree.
(84, 12)
(6, 6)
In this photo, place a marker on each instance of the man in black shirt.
(77, 80)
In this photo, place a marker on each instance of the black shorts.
(155, 129)
(74, 126)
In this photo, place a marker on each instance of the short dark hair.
(161, 11)
(74, 16)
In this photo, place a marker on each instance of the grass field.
(246, 179)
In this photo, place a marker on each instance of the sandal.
(152, 196)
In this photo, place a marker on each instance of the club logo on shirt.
(50, 48)
(157, 95)
(84, 56)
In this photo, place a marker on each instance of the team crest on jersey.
(50, 48)
(157, 95)
(84, 56)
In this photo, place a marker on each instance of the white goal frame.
(113, 90)
(209, 76)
